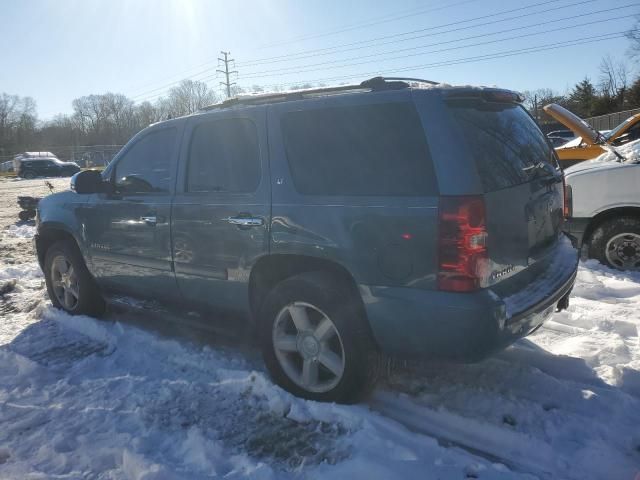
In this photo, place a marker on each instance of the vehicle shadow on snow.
(177, 385)
(416, 376)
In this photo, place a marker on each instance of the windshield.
(619, 128)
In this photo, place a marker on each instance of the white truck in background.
(604, 207)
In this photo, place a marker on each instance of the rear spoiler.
(493, 95)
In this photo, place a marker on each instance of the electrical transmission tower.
(226, 72)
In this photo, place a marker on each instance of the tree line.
(106, 119)
(110, 119)
(615, 90)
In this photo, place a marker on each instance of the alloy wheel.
(308, 347)
(65, 282)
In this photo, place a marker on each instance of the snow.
(21, 231)
(630, 151)
(119, 398)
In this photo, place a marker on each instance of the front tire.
(69, 284)
(616, 243)
(315, 340)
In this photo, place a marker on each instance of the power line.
(308, 53)
(380, 20)
(284, 71)
(571, 17)
(315, 52)
(377, 55)
(507, 53)
(226, 72)
(373, 22)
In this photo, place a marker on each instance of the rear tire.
(315, 339)
(28, 175)
(616, 243)
(69, 284)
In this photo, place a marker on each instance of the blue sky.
(58, 50)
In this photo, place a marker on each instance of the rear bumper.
(409, 322)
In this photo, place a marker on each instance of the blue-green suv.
(393, 216)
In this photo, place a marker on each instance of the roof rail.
(259, 99)
(409, 79)
(372, 84)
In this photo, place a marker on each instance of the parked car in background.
(594, 143)
(566, 134)
(30, 156)
(604, 213)
(557, 141)
(341, 222)
(46, 167)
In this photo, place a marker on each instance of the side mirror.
(89, 181)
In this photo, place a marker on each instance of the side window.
(224, 157)
(377, 149)
(146, 166)
(504, 141)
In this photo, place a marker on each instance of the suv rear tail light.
(567, 208)
(462, 243)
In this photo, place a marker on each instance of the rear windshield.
(504, 140)
(377, 149)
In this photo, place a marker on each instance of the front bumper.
(409, 322)
(37, 249)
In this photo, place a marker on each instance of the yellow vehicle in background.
(589, 143)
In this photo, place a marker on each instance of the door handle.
(151, 221)
(245, 221)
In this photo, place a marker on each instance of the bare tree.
(189, 97)
(534, 100)
(18, 119)
(614, 78)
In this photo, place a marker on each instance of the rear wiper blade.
(544, 168)
(535, 166)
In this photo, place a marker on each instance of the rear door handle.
(151, 221)
(245, 221)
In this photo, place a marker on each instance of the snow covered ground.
(120, 398)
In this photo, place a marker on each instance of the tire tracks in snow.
(515, 450)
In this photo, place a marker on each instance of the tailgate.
(522, 183)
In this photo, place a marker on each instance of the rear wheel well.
(607, 215)
(272, 269)
(48, 237)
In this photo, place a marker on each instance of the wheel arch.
(50, 234)
(606, 215)
(272, 269)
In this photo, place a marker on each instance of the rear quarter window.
(503, 140)
(377, 149)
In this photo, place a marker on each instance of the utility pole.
(226, 71)
(535, 108)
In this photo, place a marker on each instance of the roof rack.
(372, 84)
(409, 79)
